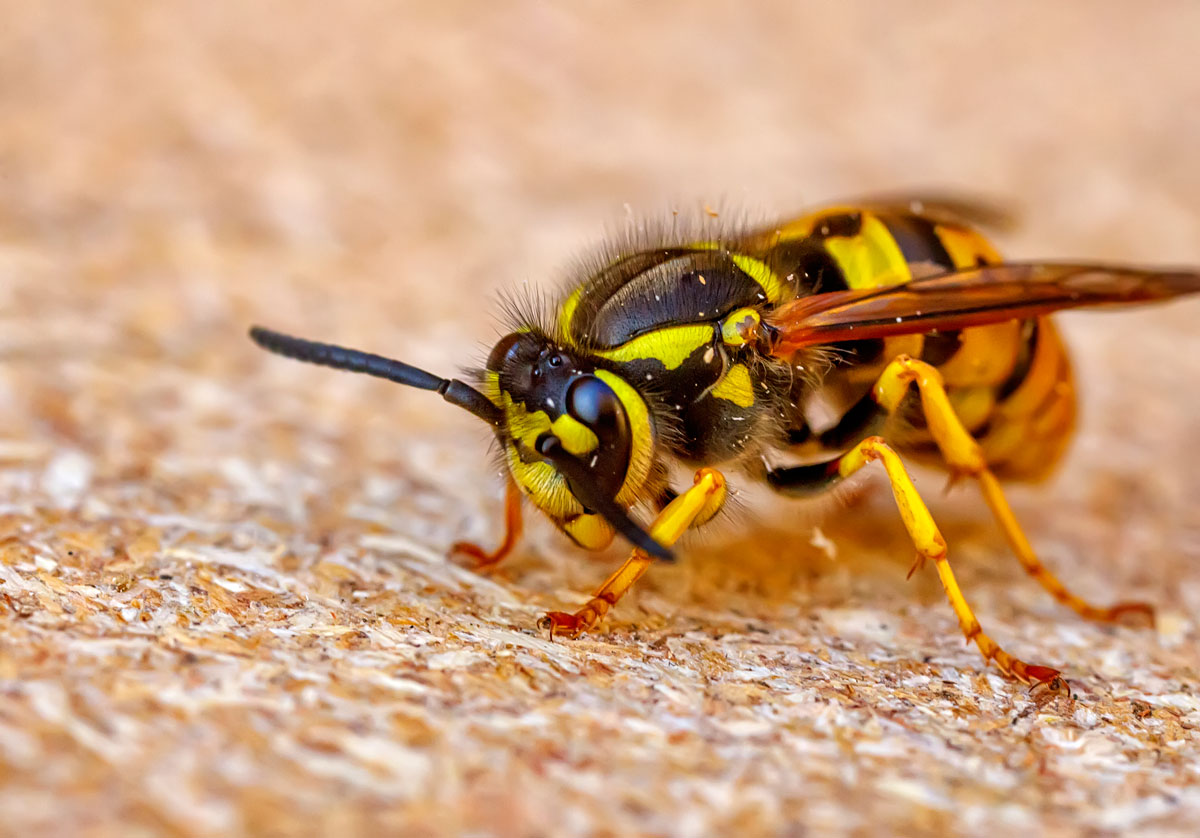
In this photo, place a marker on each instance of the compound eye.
(504, 352)
(594, 404)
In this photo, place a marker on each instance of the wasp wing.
(972, 297)
(946, 208)
(941, 208)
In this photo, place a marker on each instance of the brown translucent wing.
(947, 208)
(973, 297)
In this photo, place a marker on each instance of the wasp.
(707, 354)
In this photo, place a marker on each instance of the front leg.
(696, 505)
(484, 559)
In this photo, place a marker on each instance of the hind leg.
(965, 457)
(925, 535)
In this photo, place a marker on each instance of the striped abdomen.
(1010, 383)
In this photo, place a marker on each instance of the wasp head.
(576, 437)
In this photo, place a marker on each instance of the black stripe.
(852, 353)
(804, 480)
(601, 286)
(844, 225)
(1028, 351)
(860, 421)
(664, 498)
(940, 347)
(816, 271)
(798, 436)
(696, 287)
(918, 241)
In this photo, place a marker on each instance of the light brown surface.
(225, 603)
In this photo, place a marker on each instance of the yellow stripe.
(756, 269)
(764, 276)
(1046, 372)
(802, 227)
(872, 258)
(671, 346)
(567, 313)
(735, 387)
(966, 247)
(986, 356)
(973, 405)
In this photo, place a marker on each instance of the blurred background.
(226, 604)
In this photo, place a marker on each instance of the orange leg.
(697, 504)
(512, 532)
(931, 546)
(964, 456)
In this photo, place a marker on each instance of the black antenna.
(341, 358)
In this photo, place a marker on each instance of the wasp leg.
(512, 532)
(964, 456)
(931, 546)
(695, 506)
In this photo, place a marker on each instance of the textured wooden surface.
(224, 602)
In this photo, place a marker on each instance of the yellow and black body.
(849, 335)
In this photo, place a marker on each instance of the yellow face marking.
(524, 426)
(576, 437)
(672, 346)
(539, 480)
(543, 484)
(870, 259)
(491, 388)
(735, 386)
